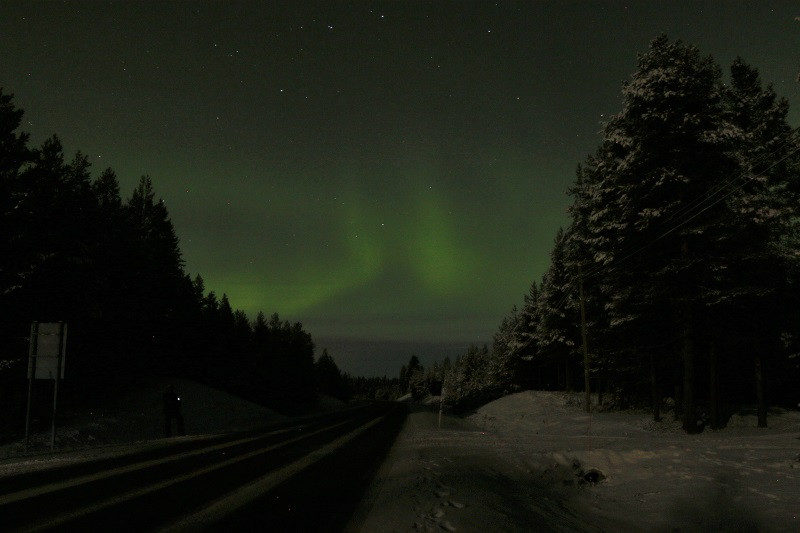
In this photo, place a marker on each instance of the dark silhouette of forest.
(73, 249)
(685, 242)
(683, 252)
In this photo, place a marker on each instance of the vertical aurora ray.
(442, 261)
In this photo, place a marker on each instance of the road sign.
(47, 347)
(49, 343)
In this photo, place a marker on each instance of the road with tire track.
(297, 477)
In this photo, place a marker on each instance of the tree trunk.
(654, 390)
(762, 404)
(678, 401)
(689, 420)
(599, 389)
(586, 389)
(559, 379)
(713, 387)
(567, 374)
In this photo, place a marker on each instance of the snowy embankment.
(136, 416)
(656, 477)
(520, 464)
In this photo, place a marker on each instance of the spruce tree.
(15, 156)
(668, 147)
(753, 259)
(557, 333)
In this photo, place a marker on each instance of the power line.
(698, 203)
(742, 176)
(692, 217)
(741, 99)
(601, 268)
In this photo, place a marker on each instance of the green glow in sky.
(443, 263)
(390, 171)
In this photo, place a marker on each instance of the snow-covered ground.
(136, 416)
(514, 465)
(657, 477)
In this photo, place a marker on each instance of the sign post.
(58, 376)
(47, 349)
(31, 372)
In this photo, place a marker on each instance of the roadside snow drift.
(535, 461)
(137, 415)
(656, 477)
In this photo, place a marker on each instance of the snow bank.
(657, 477)
(136, 415)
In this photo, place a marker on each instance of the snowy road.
(458, 477)
(273, 479)
(517, 464)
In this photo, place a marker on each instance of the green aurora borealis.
(381, 172)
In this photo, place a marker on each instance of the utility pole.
(588, 396)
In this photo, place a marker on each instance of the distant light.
(179, 398)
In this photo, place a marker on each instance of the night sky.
(390, 174)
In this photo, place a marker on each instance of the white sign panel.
(50, 343)
(48, 339)
(47, 367)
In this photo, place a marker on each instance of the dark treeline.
(343, 386)
(685, 236)
(476, 377)
(72, 249)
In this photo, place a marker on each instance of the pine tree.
(587, 258)
(752, 259)
(668, 147)
(36, 250)
(15, 156)
(330, 379)
(507, 349)
(108, 238)
(556, 332)
(415, 377)
(155, 231)
(528, 320)
(157, 268)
